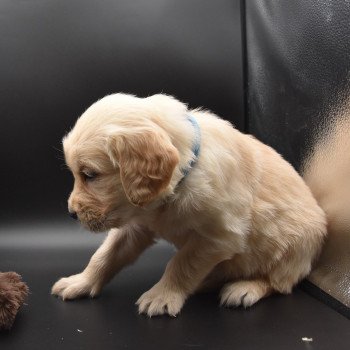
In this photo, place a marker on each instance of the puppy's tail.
(327, 173)
(327, 169)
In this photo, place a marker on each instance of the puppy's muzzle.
(73, 215)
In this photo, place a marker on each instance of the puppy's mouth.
(93, 222)
(101, 224)
(95, 226)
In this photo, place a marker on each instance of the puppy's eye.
(89, 175)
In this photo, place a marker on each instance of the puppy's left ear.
(147, 161)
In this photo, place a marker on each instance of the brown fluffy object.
(12, 294)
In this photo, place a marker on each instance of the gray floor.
(43, 253)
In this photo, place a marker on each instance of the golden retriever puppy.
(148, 168)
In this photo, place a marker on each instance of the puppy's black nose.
(73, 215)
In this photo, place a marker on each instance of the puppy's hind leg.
(245, 293)
(290, 270)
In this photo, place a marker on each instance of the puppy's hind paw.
(245, 293)
(74, 287)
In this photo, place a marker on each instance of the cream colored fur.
(326, 171)
(243, 218)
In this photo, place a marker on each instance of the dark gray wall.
(58, 57)
(298, 64)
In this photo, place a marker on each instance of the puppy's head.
(121, 161)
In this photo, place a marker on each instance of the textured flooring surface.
(42, 254)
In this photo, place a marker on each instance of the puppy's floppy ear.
(147, 160)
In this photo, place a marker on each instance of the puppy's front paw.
(75, 286)
(159, 300)
(245, 293)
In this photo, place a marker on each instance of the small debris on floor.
(79, 330)
(306, 339)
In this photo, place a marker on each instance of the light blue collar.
(196, 147)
